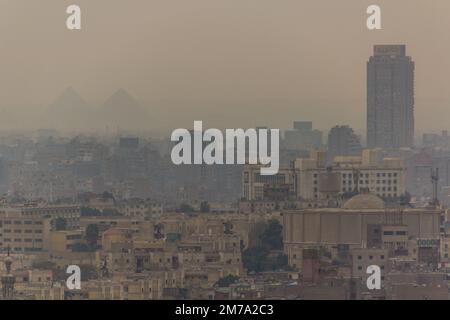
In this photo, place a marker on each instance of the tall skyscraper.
(390, 98)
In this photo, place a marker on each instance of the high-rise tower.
(390, 98)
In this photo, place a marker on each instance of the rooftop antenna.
(434, 182)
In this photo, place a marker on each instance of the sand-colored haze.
(229, 63)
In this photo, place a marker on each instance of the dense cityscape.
(140, 227)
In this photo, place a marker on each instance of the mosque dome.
(364, 201)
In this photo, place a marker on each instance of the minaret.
(8, 280)
(104, 272)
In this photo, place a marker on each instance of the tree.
(254, 259)
(278, 262)
(258, 259)
(266, 256)
(272, 236)
(60, 224)
(92, 234)
(225, 282)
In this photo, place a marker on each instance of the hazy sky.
(229, 62)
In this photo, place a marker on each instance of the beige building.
(384, 177)
(362, 258)
(23, 233)
(145, 286)
(312, 180)
(445, 249)
(395, 237)
(139, 208)
(61, 241)
(107, 222)
(256, 187)
(70, 213)
(353, 225)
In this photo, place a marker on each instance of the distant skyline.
(229, 63)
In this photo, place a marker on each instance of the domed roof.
(364, 201)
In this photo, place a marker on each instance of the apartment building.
(371, 172)
(312, 180)
(23, 233)
(362, 258)
(61, 241)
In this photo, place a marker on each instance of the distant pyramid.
(69, 111)
(69, 100)
(122, 110)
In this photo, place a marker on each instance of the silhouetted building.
(302, 137)
(129, 142)
(342, 141)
